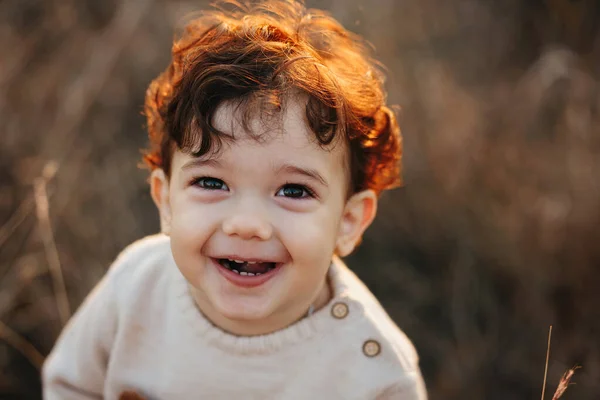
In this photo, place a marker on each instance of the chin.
(244, 310)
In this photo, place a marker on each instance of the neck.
(273, 323)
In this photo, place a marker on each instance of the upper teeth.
(241, 261)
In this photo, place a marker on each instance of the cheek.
(310, 236)
(191, 222)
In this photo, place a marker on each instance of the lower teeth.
(226, 264)
(244, 273)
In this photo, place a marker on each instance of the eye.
(209, 183)
(295, 191)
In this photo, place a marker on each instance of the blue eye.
(295, 191)
(209, 183)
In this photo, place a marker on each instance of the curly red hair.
(266, 52)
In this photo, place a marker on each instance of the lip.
(244, 281)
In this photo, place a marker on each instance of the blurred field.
(494, 237)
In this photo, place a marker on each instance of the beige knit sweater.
(139, 330)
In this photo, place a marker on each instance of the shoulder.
(141, 255)
(373, 321)
(143, 266)
(143, 250)
(377, 359)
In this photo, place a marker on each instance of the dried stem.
(547, 360)
(564, 383)
(22, 345)
(58, 283)
(85, 88)
(15, 220)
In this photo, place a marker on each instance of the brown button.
(339, 310)
(371, 348)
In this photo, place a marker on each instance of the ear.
(358, 214)
(159, 190)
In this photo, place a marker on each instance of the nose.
(248, 225)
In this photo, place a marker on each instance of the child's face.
(277, 205)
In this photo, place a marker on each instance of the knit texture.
(140, 331)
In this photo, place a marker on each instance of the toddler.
(270, 143)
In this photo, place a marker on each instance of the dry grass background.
(495, 236)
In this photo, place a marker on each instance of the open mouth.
(247, 268)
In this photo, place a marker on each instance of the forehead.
(284, 130)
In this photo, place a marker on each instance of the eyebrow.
(308, 172)
(199, 162)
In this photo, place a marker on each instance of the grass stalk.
(45, 227)
(22, 345)
(547, 361)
